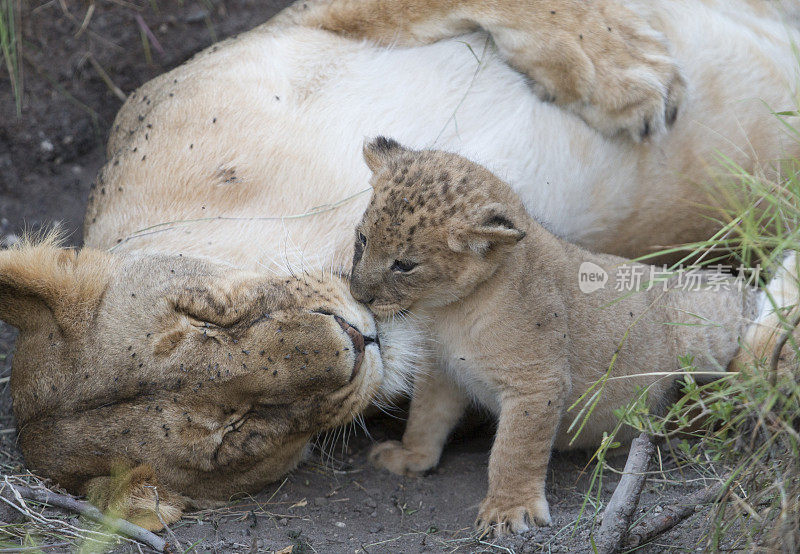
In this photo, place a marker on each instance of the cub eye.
(362, 239)
(403, 266)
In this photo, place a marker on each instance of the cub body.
(445, 240)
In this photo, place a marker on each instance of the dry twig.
(649, 528)
(50, 498)
(618, 512)
(164, 523)
(107, 78)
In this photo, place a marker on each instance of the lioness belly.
(286, 140)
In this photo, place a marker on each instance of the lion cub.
(513, 323)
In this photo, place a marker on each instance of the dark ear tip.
(379, 151)
(498, 219)
(381, 144)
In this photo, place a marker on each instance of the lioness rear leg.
(135, 495)
(595, 58)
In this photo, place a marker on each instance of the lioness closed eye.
(445, 239)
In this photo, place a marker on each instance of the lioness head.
(437, 225)
(213, 376)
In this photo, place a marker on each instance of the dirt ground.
(335, 502)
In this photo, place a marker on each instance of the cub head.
(213, 376)
(437, 225)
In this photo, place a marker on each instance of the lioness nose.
(358, 343)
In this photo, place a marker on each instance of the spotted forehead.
(419, 191)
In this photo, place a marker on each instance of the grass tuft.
(743, 429)
(11, 47)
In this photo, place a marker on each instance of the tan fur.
(134, 494)
(213, 379)
(244, 130)
(447, 241)
(598, 59)
(75, 280)
(184, 124)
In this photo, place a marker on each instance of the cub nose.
(358, 343)
(360, 292)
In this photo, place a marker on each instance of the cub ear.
(379, 151)
(42, 284)
(492, 226)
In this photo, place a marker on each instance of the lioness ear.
(42, 283)
(379, 151)
(492, 226)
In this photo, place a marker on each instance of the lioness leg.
(594, 57)
(436, 406)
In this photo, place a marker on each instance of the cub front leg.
(595, 58)
(518, 463)
(436, 406)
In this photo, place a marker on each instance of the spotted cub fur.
(446, 241)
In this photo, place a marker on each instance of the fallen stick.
(648, 529)
(164, 523)
(618, 512)
(85, 509)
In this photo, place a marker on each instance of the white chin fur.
(403, 353)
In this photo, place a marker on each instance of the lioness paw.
(497, 519)
(641, 99)
(134, 494)
(638, 86)
(392, 455)
(609, 67)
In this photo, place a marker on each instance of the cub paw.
(498, 519)
(392, 455)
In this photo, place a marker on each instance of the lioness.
(447, 242)
(205, 332)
